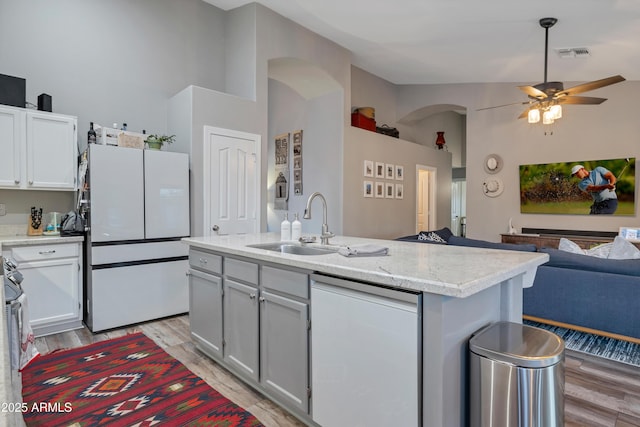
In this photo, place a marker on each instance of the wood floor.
(598, 392)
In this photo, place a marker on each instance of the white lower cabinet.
(254, 320)
(53, 285)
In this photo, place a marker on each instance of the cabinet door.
(241, 327)
(205, 311)
(12, 136)
(53, 291)
(51, 151)
(284, 348)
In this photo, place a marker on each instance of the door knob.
(215, 228)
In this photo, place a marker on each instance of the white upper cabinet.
(41, 148)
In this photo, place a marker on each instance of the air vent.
(573, 52)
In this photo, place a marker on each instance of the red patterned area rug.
(127, 381)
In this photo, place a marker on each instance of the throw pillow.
(600, 251)
(430, 236)
(623, 249)
(569, 246)
(436, 236)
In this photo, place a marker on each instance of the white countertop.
(440, 269)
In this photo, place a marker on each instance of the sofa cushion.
(562, 259)
(436, 236)
(464, 241)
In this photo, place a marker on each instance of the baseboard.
(582, 329)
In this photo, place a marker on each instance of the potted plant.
(155, 142)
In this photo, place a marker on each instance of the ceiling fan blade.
(590, 100)
(533, 92)
(503, 105)
(524, 114)
(596, 84)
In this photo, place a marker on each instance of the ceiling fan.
(546, 98)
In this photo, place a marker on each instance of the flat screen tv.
(585, 187)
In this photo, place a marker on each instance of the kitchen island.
(425, 303)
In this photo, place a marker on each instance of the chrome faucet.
(326, 234)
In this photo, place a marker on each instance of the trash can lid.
(520, 345)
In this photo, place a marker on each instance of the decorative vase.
(440, 140)
(154, 145)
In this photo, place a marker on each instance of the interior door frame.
(433, 172)
(206, 148)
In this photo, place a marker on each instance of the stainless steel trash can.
(516, 377)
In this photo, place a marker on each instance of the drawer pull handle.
(53, 251)
(252, 296)
(203, 261)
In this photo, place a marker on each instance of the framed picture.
(389, 190)
(379, 190)
(368, 168)
(379, 170)
(399, 191)
(368, 189)
(390, 171)
(399, 173)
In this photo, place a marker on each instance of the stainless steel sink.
(292, 248)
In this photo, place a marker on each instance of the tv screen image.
(586, 187)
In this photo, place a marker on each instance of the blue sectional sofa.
(573, 289)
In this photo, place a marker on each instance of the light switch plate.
(3, 209)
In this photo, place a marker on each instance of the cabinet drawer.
(242, 270)
(205, 261)
(44, 252)
(291, 282)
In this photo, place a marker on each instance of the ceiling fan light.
(547, 117)
(533, 116)
(556, 110)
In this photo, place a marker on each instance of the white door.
(166, 194)
(231, 182)
(117, 193)
(425, 208)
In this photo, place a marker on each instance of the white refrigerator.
(138, 212)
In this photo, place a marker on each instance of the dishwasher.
(366, 346)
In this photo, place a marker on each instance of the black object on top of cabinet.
(12, 91)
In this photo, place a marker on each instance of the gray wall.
(107, 61)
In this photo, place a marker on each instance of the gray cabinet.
(205, 301)
(205, 311)
(241, 327)
(253, 319)
(284, 349)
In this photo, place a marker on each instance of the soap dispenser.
(285, 229)
(296, 229)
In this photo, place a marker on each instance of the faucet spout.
(326, 234)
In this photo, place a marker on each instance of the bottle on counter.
(124, 126)
(92, 138)
(285, 229)
(296, 228)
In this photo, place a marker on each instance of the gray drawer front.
(206, 261)
(241, 270)
(291, 282)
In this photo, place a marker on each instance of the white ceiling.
(474, 41)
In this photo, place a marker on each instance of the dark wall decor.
(579, 188)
